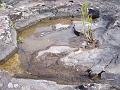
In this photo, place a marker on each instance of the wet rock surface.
(68, 57)
(56, 53)
(105, 57)
(8, 43)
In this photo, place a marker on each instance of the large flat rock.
(9, 83)
(8, 42)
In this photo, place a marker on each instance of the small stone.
(10, 85)
(41, 35)
(84, 44)
(16, 85)
(71, 1)
(81, 87)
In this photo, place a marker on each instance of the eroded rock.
(8, 43)
(106, 57)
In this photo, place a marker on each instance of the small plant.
(86, 18)
(2, 5)
(20, 39)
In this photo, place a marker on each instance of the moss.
(20, 39)
(12, 65)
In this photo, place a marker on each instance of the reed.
(86, 18)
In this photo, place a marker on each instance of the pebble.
(10, 85)
(16, 85)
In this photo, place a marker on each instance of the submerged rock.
(8, 43)
(106, 57)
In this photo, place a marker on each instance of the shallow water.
(44, 34)
(39, 37)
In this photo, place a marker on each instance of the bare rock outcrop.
(8, 41)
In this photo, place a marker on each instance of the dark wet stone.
(71, 1)
(94, 13)
(77, 33)
(81, 87)
(92, 84)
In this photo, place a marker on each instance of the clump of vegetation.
(20, 39)
(86, 18)
(12, 65)
(2, 5)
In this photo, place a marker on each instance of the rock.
(71, 1)
(96, 59)
(94, 86)
(8, 43)
(10, 83)
(106, 57)
(98, 28)
(94, 13)
(112, 35)
(15, 15)
(59, 26)
(26, 15)
(11, 2)
(81, 87)
(76, 32)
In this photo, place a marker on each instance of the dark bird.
(97, 76)
(93, 76)
(89, 71)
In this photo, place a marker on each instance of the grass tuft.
(86, 18)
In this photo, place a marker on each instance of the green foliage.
(86, 18)
(13, 24)
(2, 5)
(20, 39)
